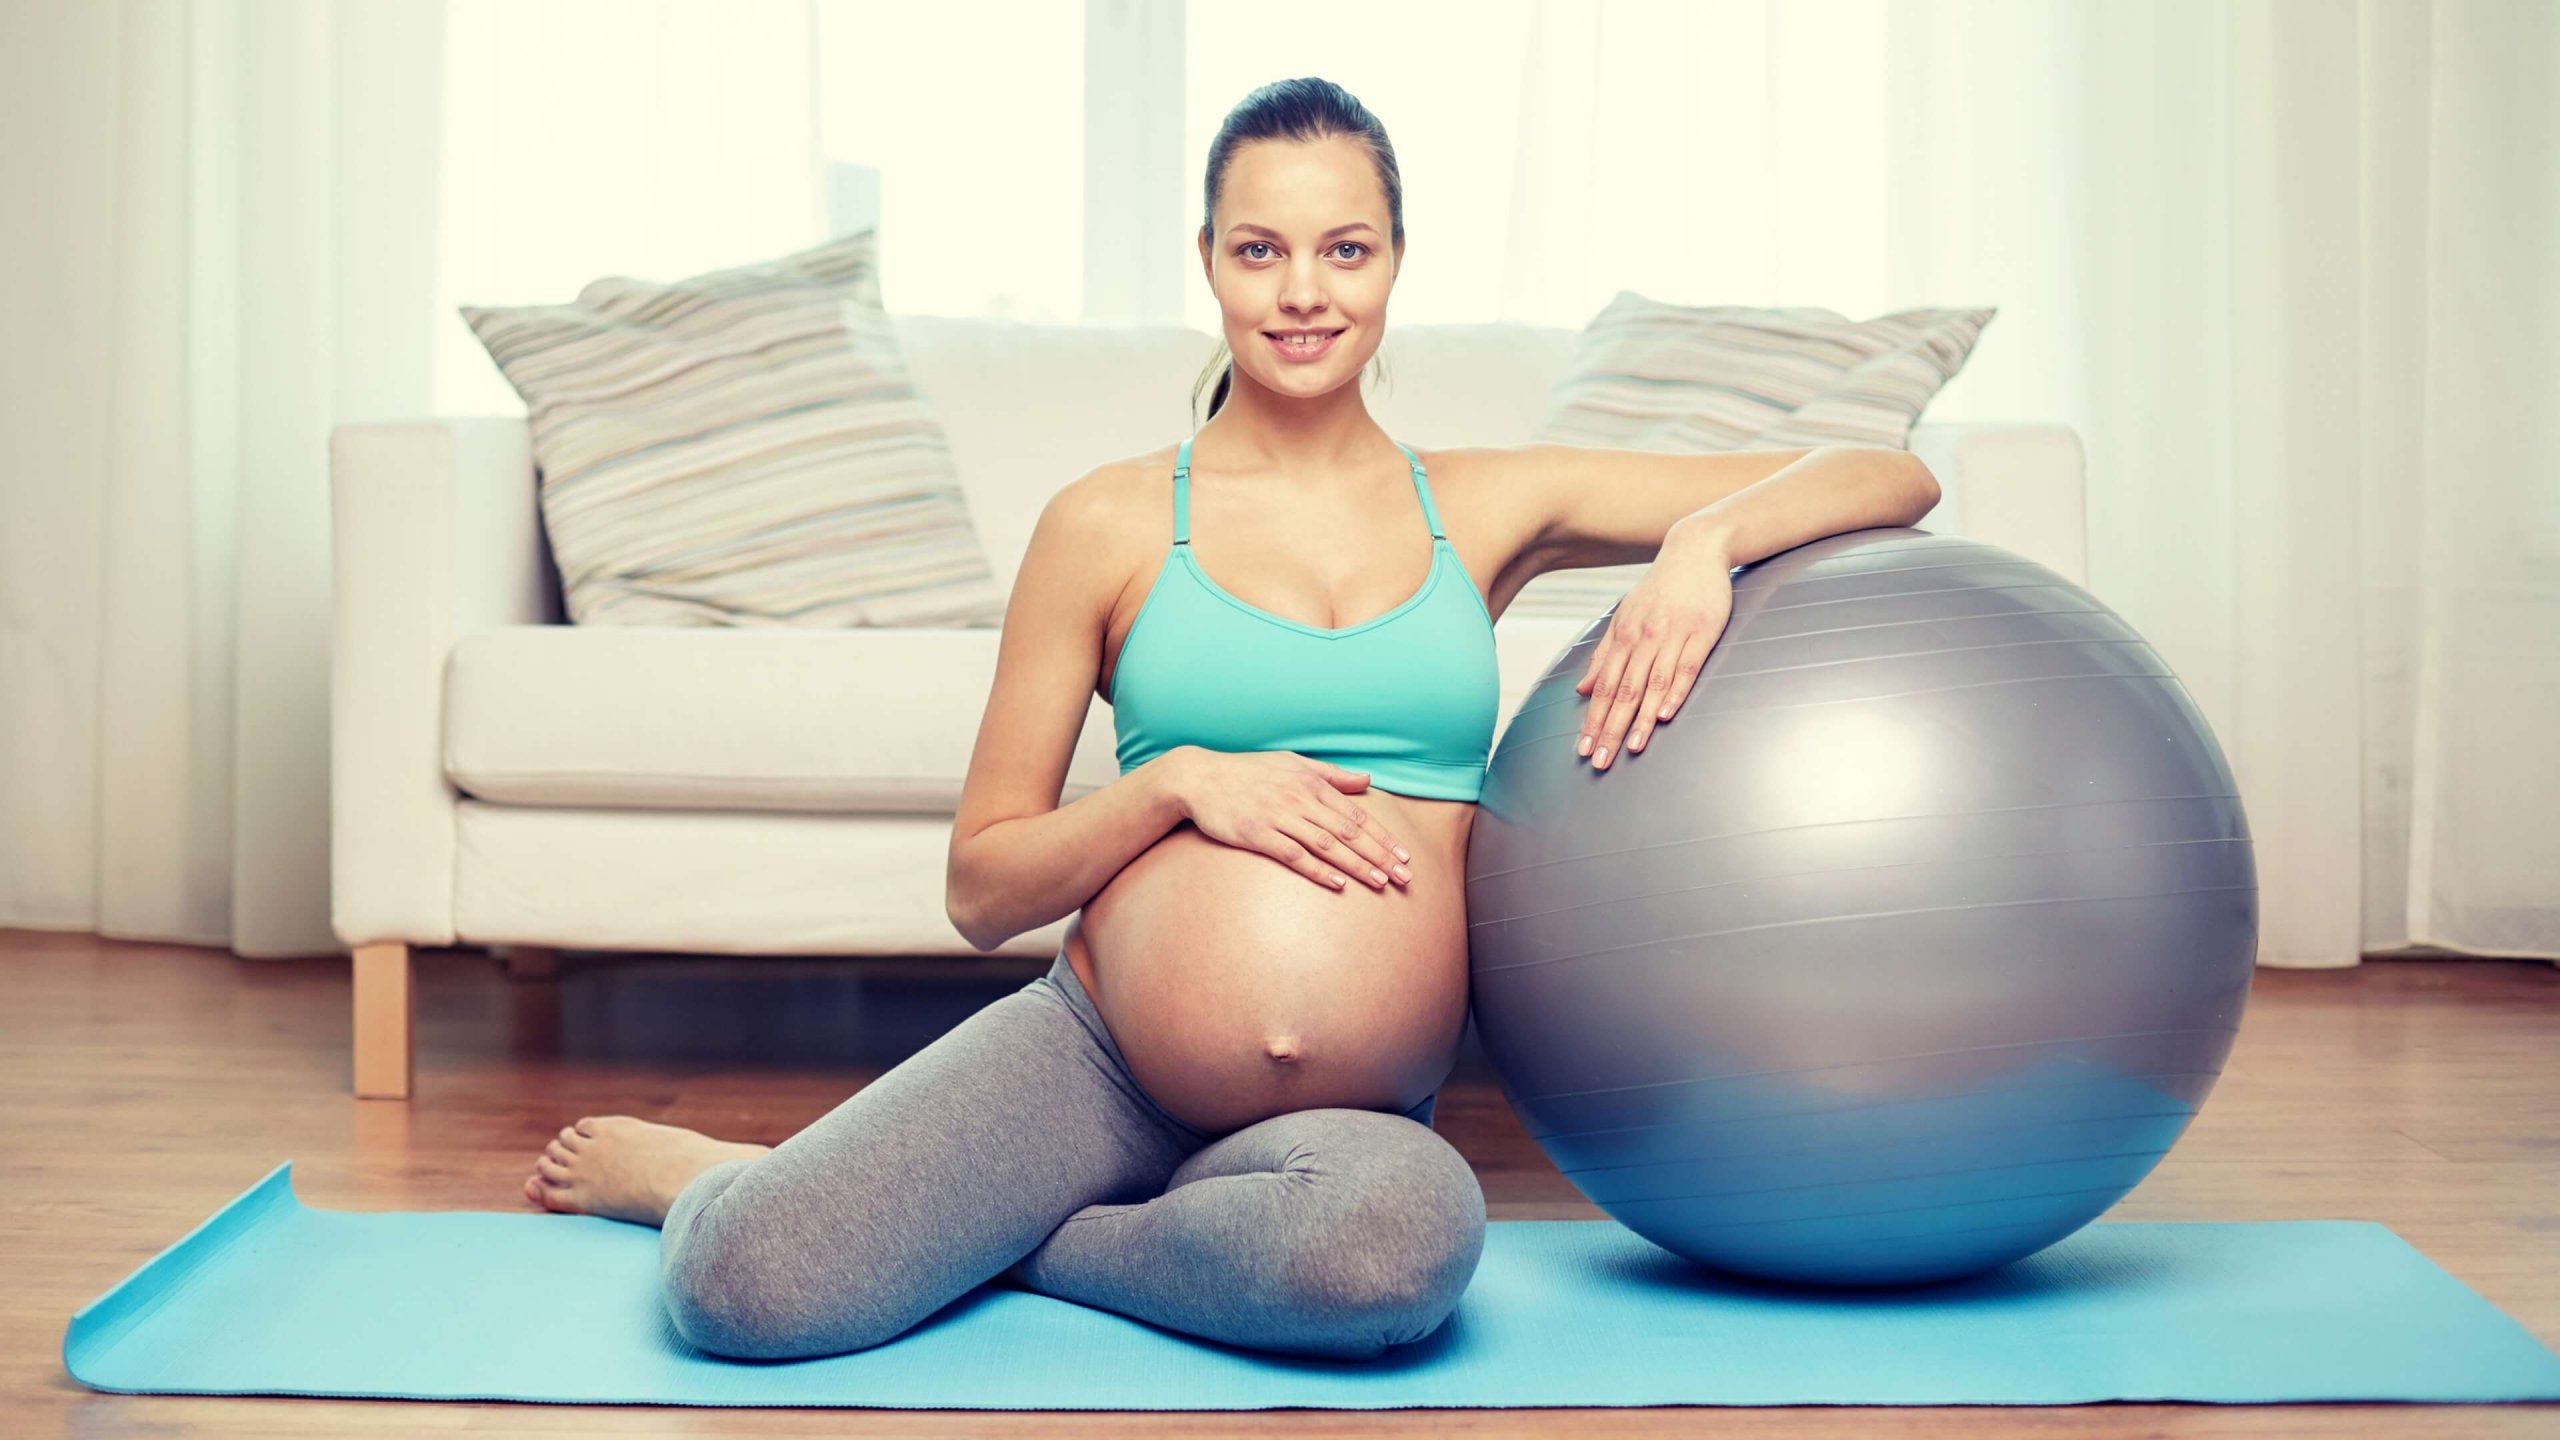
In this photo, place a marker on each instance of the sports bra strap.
(1422, 487)
(1182, 493)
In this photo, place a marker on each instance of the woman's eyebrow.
(1329, 234)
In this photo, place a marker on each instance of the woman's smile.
(1301, 345)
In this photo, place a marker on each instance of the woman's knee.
(720, 1314)
(730, 1291)
(1359, 1302)
(747, 1310)
(1404, 1244)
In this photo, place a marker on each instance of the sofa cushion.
(683, 718)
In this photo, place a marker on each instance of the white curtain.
(230, 225)
(2284, 267)
(217, 241)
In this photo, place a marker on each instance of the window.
(971, 115)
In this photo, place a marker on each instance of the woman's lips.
(1302, 353)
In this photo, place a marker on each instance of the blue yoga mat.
(272, 1297)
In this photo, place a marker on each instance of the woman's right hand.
(1294, 809)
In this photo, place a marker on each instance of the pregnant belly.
(1238, 989)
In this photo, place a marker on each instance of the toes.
(559, 1152)
(551, 1170)
(533, 1192)
(570, 1137)
(586, 1125)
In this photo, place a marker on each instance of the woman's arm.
(1011, 876)
(1018, 858)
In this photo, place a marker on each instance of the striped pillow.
(742, 448)
(1685, 380)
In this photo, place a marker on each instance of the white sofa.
(503, 778)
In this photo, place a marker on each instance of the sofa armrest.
(435, 532)
(2023, 487)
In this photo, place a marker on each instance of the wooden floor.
(148, 1085)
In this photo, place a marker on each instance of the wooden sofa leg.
(385, 1022)
(533, 962)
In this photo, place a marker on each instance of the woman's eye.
(1251, 245)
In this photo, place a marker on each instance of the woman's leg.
(919, 1187)
(1328, 1232)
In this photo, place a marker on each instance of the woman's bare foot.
(625, 1168)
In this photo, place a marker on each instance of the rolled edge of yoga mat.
(97, 1326)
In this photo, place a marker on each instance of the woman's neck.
(1256, 431)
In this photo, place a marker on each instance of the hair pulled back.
(1304, 109)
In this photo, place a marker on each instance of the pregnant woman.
(1213, 1112)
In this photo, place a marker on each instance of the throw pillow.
(742, 448)
(1683, 380)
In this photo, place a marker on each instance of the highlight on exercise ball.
(1904, 950)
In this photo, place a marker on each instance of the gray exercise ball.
(1905, 949)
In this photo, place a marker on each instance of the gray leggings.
(1017, 1148)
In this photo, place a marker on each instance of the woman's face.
(1274, 267)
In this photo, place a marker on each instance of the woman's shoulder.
(1495, 497)
(1480, 477)
(1458, 462)
(1131, 476)
(1111, 512)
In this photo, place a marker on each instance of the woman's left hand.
(1655, 644)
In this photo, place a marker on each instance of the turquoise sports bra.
(1408, 696)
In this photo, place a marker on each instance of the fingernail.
(1585, 747)
(1402, 853)
(1601, 759)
